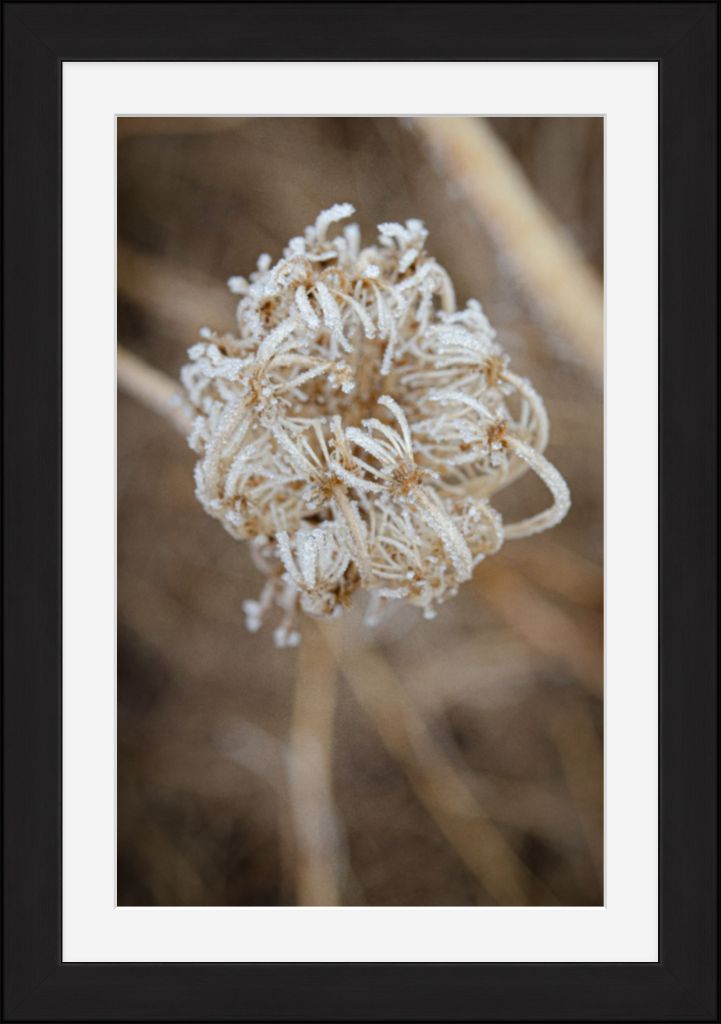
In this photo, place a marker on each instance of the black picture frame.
(682, 37)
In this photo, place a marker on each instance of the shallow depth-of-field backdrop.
(422, 763)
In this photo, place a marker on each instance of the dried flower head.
(355, 428)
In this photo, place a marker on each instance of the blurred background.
(451, 762)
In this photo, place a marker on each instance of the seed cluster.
(355, 427)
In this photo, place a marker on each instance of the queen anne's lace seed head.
(355, 427)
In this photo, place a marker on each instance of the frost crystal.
(356, 426)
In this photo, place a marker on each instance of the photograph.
(361, 493)
(360, 511)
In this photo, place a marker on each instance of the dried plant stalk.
(550, 265)
(437, 783)
(319, 856)
(581, 755)
(545, 627)
(182, 301)
(563, 572)
(154, 389)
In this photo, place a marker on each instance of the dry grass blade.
(551, 267)
(153, 389)
(556, 568)
(184, 302)
(545, 627)
(581, 755)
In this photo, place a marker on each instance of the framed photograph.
(360, 499)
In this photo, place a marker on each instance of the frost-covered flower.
(355, 427)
